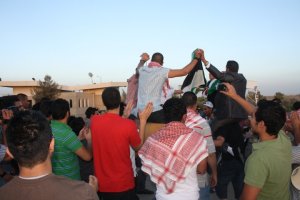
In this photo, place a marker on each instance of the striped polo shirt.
(64, 159)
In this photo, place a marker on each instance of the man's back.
(225, 107)
(269, 168)
(48, 187)
(64, 159)
(151, 81)
(111, 137)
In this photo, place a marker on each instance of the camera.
(9, 102)
(221, 87)
(14, 109)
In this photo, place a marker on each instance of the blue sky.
(68, 39)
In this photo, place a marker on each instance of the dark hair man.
(67, 145)
(112, 137)
(268, 168)
(31, 144)
(226, 109)
(174, 155)
(90, 111)
(153, 83)
(201, 126)
(24, 100)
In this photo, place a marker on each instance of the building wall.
(97, 97)
(79, 102)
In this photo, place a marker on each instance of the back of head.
(232, 66)
(59, 109)
(45, 108)
(111, 98)
(157, 57)
(28, 138)
(22, 97)
(77, 124)
(189, 99)
(90, 111)
(272, 114)
(8, 101)
(174, 110)
(296, 106)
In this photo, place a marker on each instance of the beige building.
(79, 97)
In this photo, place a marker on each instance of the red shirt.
(111, 137)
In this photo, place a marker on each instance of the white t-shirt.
(151, 81)
(186, 190)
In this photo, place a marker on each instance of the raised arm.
(224, 77)
(144, 115)
(144, 58)
(185, 70)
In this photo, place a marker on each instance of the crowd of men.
(46, 153)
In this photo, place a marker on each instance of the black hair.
(36, 106)
(157, 57)
(28, 137)
(45, 107)
(111, 98)
(272, 114)
(8, 101)
(59, 108)
(296, 106)
(174, 109)
(189, 99)
(22, 97)
(232, 66)
(90, 111)
(122, 108)
(76, 124)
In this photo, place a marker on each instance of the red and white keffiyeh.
(166, 85)
(169, 154)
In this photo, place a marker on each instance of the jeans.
(204, 193)
(230, 171)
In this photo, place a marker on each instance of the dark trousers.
(126, 195)
(140, 179)
(230, 171)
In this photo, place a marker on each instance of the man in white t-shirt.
(153, 83)
(201, 126)
(174, 155)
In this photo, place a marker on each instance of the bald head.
(158, 57)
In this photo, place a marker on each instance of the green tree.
(279, 95)
(46, 89)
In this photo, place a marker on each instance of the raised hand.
(144, 114)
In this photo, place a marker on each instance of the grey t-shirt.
(49, 187)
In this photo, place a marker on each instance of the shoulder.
(128, 122)
(74, 187)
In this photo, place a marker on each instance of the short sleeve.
(256, 172)
(72, 142)
(166, 72)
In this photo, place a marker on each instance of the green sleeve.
(72, 142)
